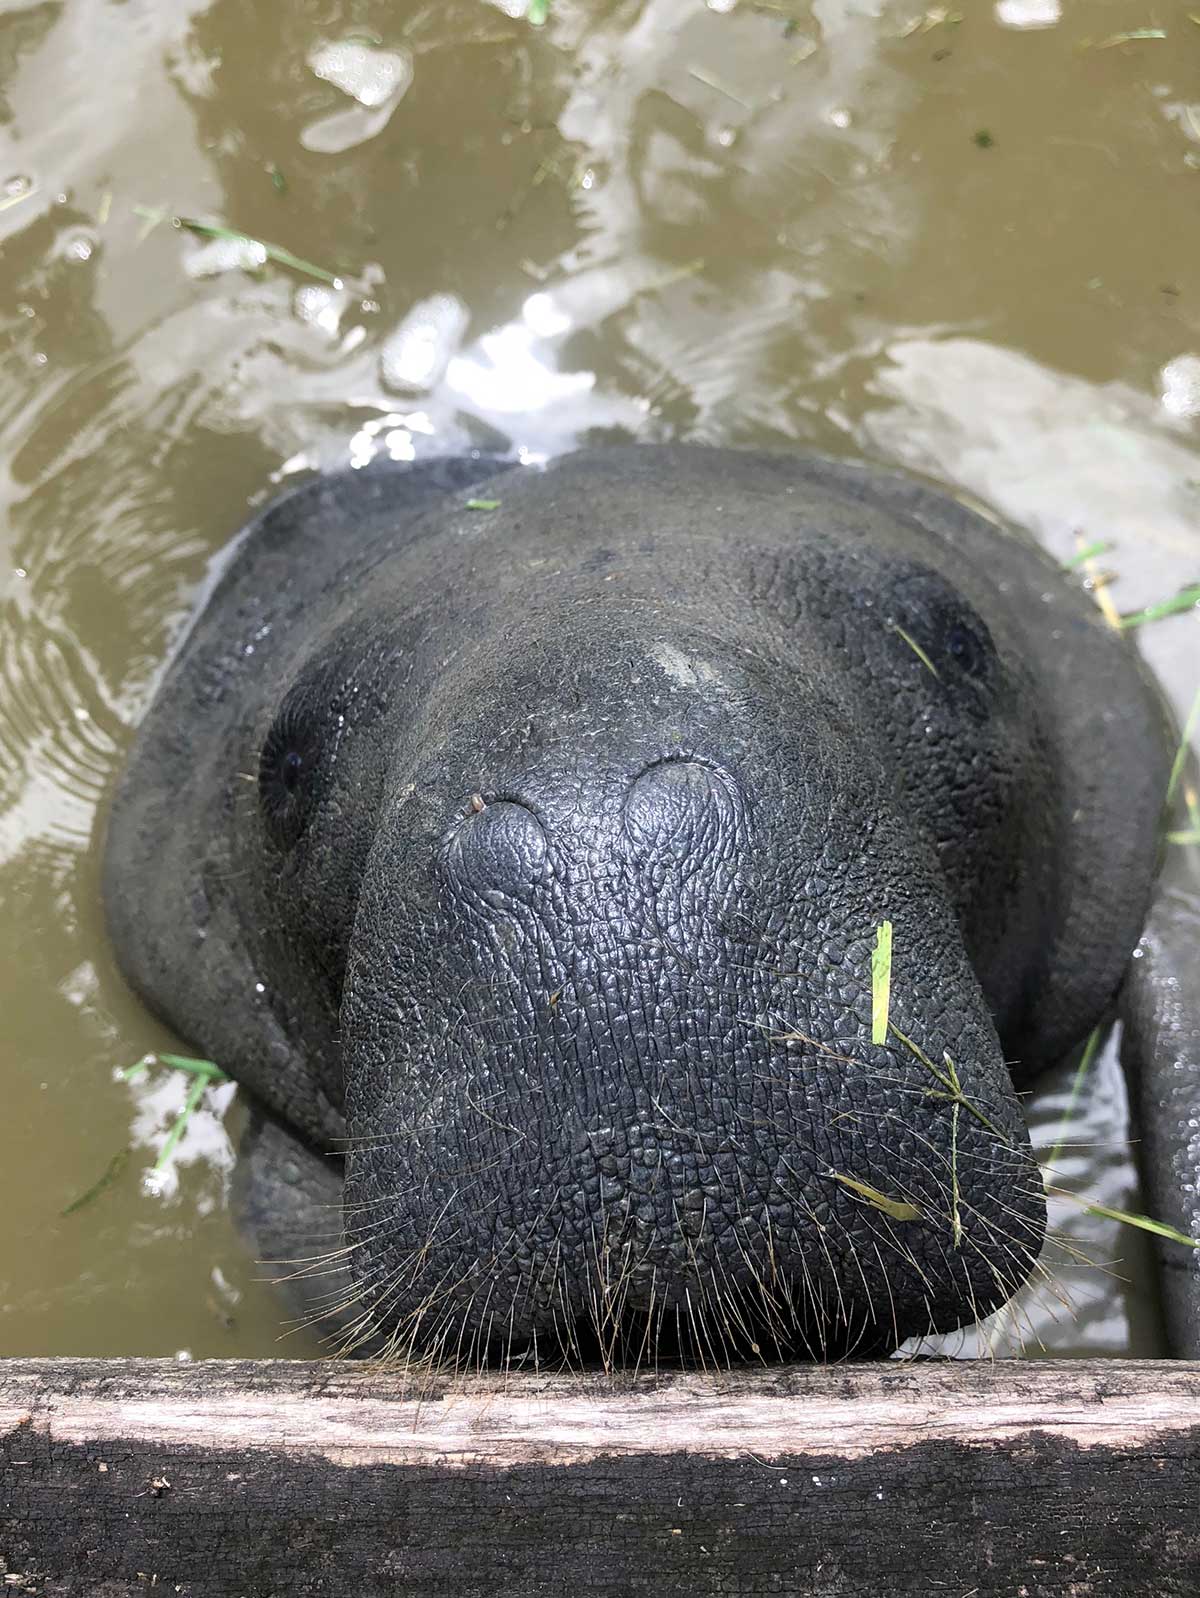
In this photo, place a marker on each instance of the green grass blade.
(1186, 599)
(274, 252)
(1185, 743)
(196, 1092)
(1089, 552)
(881, 982)
(1081, 1071)
(1144, 1223)
(952, 1088)
(217, 230)
(916, 649)
(184, 1062)
(898, 1209)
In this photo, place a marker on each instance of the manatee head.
(533, 861)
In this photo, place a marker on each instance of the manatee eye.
(966, 648)
(292, 768)
(942, 628)
(286, 769)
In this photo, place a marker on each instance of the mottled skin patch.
(556, 887)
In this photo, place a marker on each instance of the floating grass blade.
(9, 200)
(1130, 36)
(538, 13)
(111, 1172)
(1185, 743)
(1192, 835)
(881, 982)
(177, 1062)
(271, 252)
(1088, 552)
(916, 649)
(1144, 1223)
(274, 252)
(184, 1062)
(483, 504)
(195, 1093)
(151, 217)
(898, 1209)
(1186, 599)
(1081, 1071)
(204, 1074)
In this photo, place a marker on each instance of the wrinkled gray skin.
(534, 858)
(1160, 1049)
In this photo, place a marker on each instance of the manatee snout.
(607, 1028)
(528, 868)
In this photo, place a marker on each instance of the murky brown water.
(968, 247)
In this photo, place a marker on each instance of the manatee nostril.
(498, 846)
(679, 801)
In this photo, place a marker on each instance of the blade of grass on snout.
(917, 650)
(881, 982)
(898, 1209)
(952, 1087)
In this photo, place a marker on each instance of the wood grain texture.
(119, 1477)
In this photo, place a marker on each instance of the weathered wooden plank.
(279, 1478)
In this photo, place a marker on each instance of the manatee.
(1160, 1050)
(520, 839)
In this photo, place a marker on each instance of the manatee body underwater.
(525, 864)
